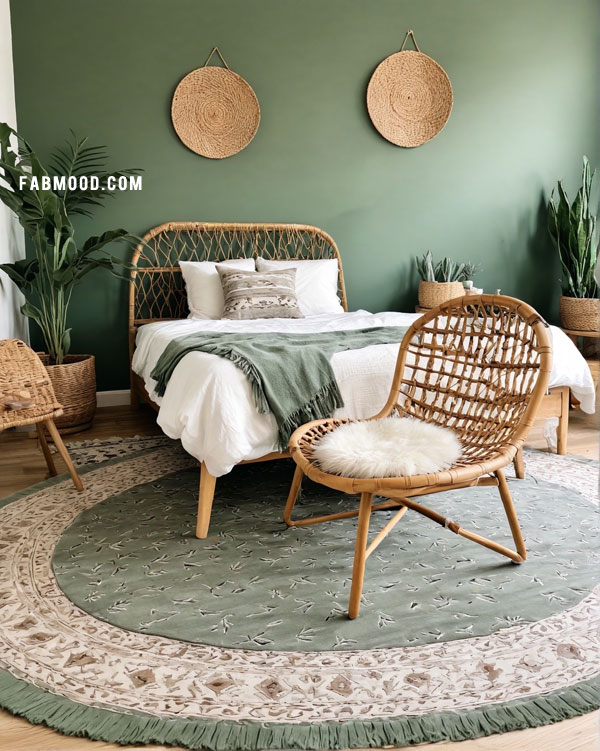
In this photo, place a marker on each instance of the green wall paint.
(524, 84)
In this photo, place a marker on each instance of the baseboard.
(116, 398)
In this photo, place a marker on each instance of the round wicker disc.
(409, 98)
(215, 112)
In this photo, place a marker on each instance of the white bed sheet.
(208, 401)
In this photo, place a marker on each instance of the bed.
(208, 404)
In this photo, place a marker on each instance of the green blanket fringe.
(43, 708)
(324, 402)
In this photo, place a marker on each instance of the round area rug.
(118, 624)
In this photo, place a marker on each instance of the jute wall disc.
(215, 112)
(409, 97)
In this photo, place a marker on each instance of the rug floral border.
(99, 718)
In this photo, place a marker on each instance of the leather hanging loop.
(410, 34)
(218, 51)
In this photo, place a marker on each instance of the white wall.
(12, 244)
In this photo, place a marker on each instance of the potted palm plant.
(572, 227)
(57, 263)
(441, 281)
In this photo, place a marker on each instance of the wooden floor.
(22, 464)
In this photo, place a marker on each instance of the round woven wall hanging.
(409, 97)
(214, 111)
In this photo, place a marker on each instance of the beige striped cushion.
(252, 294)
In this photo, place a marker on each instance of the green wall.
(524, 112)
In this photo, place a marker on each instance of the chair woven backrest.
(21, 370)
(478, 365)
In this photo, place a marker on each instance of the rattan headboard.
(157, 290)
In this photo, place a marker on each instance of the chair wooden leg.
(62, 450)
(46, 450)
(511, 515)
(358, 569)
(293, 496)
(563, 422)
(519, 463)
(206, 495)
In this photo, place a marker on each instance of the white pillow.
(316, 283)
(203, 285)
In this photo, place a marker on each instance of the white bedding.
(208, 402)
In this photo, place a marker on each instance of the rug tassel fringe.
(43, 708)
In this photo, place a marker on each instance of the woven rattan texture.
(477, 365)
(215, 112)
(409, 98)
(74, 384)
(22, 370)
(158, 292)
(580, 313)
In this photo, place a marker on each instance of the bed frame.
(157, 293)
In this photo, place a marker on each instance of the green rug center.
(133, 560)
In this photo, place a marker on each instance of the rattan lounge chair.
(478, 365)
(27, 398)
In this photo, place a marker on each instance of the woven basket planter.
(580, 313)
(74, 384)
(432, 294)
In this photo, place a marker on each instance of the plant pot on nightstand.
(74, 384)
(580, 313)
(432, 294)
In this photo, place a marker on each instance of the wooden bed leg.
(134, 397)
(563, 421)
(45, 450)
(519, 463)
(62, 450)
(206, 494)
(360, 554)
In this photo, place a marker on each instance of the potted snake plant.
(441, 281)
(572, 226)
(57, 262)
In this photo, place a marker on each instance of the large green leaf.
(59, 264)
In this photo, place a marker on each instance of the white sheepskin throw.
(390, 447)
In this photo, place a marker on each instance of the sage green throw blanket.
(290, 374)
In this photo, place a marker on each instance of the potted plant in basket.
(58, 263)
(441, 281)
(572, 227)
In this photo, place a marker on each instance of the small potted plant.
(57, 263)
(572, 227)
(441, 281)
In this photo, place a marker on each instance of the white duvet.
(208, 401)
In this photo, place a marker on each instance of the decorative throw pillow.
(271, 294)
(203, 285)
(316, 283)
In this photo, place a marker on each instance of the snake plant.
(58, 263)
(445, 270)
(572, 227)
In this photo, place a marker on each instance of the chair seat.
(471, 464)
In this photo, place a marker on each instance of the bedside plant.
(572, 227)
(58, 263)
(441, 281)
